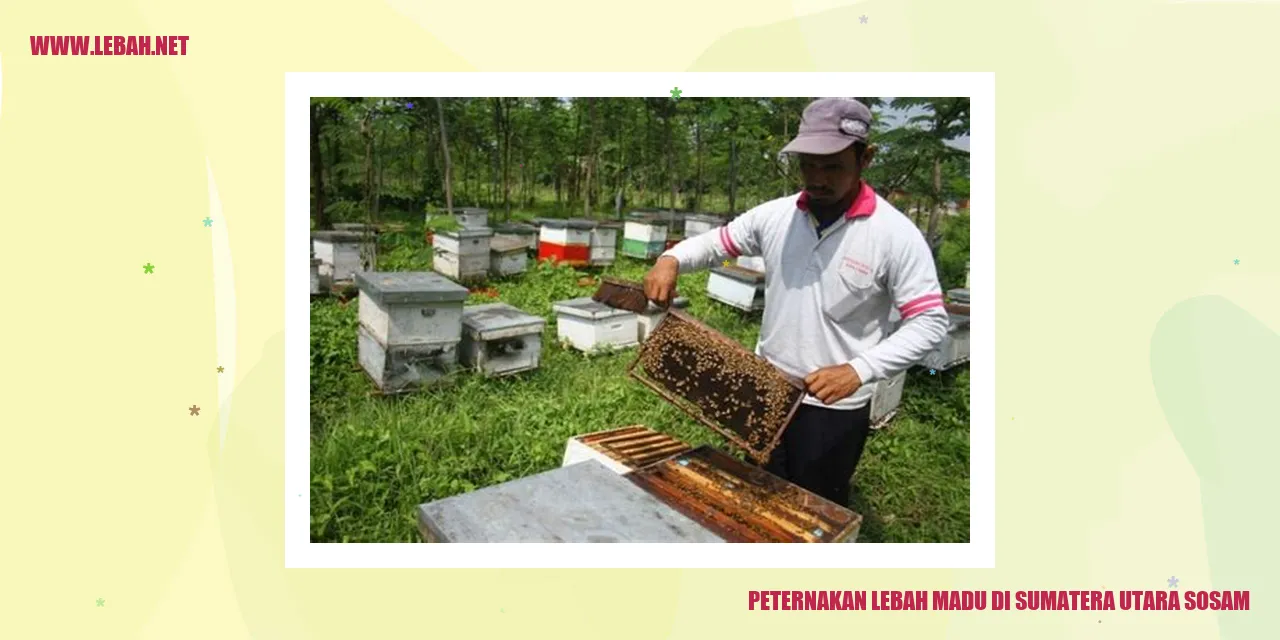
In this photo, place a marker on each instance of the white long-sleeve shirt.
(828, 295)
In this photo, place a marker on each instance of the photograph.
(664, 319)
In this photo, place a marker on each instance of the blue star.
(1173, 582)
(208, 222)
(933, 372)
(408, 105)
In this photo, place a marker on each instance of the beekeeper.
(838, 258)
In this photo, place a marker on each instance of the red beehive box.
(567, 241)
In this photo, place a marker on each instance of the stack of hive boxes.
(410, 327)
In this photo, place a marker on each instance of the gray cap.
(830, 125)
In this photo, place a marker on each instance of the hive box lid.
(483, 232)
(470, 211)
(337, 236)
(498, 316)
(515, 228)
(507, 244)
(741, 274)
(572, 223)
(583, 502)
(588, 308)
(609, 224)
(406, 287)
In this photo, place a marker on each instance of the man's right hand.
(660, 282)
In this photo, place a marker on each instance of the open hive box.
(718, 382)
(624, 449)
(742, 503)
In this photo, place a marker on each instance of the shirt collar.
(864, 204)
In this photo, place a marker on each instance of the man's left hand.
(832, 384)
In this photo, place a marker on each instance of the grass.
(374, 459)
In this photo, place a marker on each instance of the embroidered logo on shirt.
(860, 267)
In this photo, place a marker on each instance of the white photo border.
(979, 552)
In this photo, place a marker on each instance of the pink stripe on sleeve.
(923, 303)
(727, 241)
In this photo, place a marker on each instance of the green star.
(101, 602)
(208, 222)
(147, 268)
(1237, 260)
(675, 93)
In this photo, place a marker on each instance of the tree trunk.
(366, 132)
(317, 169)
(448, 164)
(697, 136)
(671, 156)
(733, 175)
(588, 189)
(936, 215)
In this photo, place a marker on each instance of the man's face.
(828, 179)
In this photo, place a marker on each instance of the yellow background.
(1136, 146)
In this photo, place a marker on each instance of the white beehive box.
(499, 339)
(885, 400)
(565, 232)
(472, 217)
(410, 326)
(412, 307)
(339, 253)
(590, 326)
(462, 254)
(648, 320)
(737, 287)
(315, 276)
(357, 227)
(698, 224)
(754, 263)
(646, 232)
(604, 244)
(463, 242)
(526, 233)
(508, 256)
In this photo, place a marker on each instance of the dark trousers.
(820, 449)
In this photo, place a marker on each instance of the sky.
(895, 117)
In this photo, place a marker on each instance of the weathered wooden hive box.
(743, 503)
(604, 244)
(315, 277)
(462, 254)
(644, 236)
(584, 502)
(622, 450)
(508, 256)
(885, 399)
(499, 339)
(591, 326)
(526, 233)
(648, 320)
(472, 217)
(700, 223)
(567, 241)
(410, 327)
(754, 263)
(718, 382)
(339, 253)
(737, 287)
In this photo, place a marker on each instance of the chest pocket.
(848, 284)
